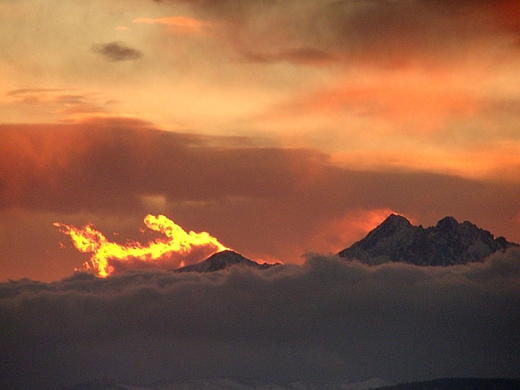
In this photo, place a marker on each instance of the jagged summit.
(447, 243)
(222, 260)
(448, 223)
(396, 220)
(391, 226)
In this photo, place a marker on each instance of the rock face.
(222, 260)
(447, 243)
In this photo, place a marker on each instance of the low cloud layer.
(327, 319)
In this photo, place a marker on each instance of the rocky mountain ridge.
(395, 240)
(447, 243)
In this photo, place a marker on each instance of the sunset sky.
(279, 127)
(282, 129)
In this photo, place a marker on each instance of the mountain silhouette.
(223, 260)
(447, 243)
(460, 384)
(252, 384)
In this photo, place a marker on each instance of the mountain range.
(231, 384)
(447, 243)
(374, 384)
(395, 240)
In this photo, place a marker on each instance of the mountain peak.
(447, 243)
(447, 223)
(396, 219)
(222, 260)
(394, 222)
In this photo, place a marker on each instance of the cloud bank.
(325, 320)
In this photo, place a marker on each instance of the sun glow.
(177, 248)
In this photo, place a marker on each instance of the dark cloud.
(327, 319)
(303, 55)
(93, 167)
(267, 203)
(117, 51)
(394, 34)
(381, 33)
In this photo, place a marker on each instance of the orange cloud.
(180, 24)
(404, 100)
(71, 105)
(103, 118)
(177, 249)
(340, 232)
(497, 161)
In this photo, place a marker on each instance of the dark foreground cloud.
(327, 319)
(116, 51)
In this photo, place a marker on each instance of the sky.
(282, 129)
(278, 127)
